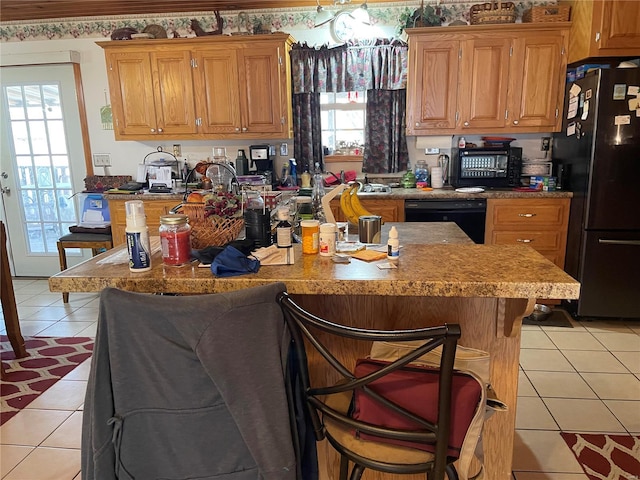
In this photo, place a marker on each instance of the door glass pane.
(39, 141)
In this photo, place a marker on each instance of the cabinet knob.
(244, 129)
(466, 124)
(159, 130)
(524, 240)
(527, 215)
(417, 124)
(153, 130)
(237, 129)
(516, 122)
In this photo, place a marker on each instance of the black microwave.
(486, 167)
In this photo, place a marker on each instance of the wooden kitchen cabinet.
(153, 209)
(540, 223)
(201, 88)
(151, 92)
(604, 28)
(391, 210)
(479, 79)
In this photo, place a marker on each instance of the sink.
(374, 189)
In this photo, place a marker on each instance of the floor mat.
(606, 457)
(50, 359)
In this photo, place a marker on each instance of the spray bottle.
(137, 232)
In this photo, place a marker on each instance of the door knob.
(4, 175)
(5, 190)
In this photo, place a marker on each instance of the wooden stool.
(94, 241)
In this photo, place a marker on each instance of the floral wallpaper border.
(390, 14)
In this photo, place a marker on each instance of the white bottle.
(462, 142)
(137, 232)
(393, 245)
(328, 236)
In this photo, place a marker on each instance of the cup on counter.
(436, 177)
(369, 227)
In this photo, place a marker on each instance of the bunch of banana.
(351, 206)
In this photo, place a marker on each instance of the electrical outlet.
(101, 160)
(544, 146)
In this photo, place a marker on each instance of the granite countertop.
(434, 267)
(396, 194)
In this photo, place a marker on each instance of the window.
(343, 122)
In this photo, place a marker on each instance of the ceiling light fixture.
(361, 14)
(322, 16)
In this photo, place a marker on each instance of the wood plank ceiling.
(22, 10)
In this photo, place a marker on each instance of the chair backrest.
(307, 330)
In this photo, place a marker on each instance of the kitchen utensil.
(443, 161)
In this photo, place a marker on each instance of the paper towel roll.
(434, 141)
(436, 177)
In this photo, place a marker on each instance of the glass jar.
(175, 239)
(422, 171)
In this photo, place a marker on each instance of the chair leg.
(452, 473)
(344, 467)
(356, 473)
(62, 255)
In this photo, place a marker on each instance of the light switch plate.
(284, 150)
(431, 151)
(101, 160)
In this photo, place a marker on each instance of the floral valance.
(350, 67)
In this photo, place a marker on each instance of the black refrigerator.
(598, 153)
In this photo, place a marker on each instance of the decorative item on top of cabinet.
(603, 28)
(474, 79)
(200, 32)
(208, 87)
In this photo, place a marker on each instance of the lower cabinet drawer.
(540, 240)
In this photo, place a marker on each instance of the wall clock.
(343, 26)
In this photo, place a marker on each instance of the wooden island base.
(483, 322)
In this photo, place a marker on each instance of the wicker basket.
(547, 14)
(211, 231)
(493, 12)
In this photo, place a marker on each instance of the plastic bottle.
(310, 234)
(185, 172)
(137, 233)
(462, 142)
(316, 195)
(328, 234)
(283, 229)
(393, 245)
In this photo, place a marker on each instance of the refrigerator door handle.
(618, 242)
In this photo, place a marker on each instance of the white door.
(41, 163)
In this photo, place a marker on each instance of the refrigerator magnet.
(634, 104)
(587, 94)
(585, 111)
(571, 129)
(622, 119)
(633, 90)
(619, 91)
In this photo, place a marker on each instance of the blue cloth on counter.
(231, 262)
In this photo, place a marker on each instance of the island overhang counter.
(487, 289)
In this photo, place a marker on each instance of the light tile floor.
(583, 379)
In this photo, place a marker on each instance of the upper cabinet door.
(432, 84)
(132, 97)
(217, 89)
(484, 75)
(263, 103)
(175, 110)
(620, 25)
(536, 86)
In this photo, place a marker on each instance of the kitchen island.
(441, 278)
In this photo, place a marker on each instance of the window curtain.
(307, 133)
(374, 66)
(385, 148)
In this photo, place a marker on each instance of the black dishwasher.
(468, 214)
